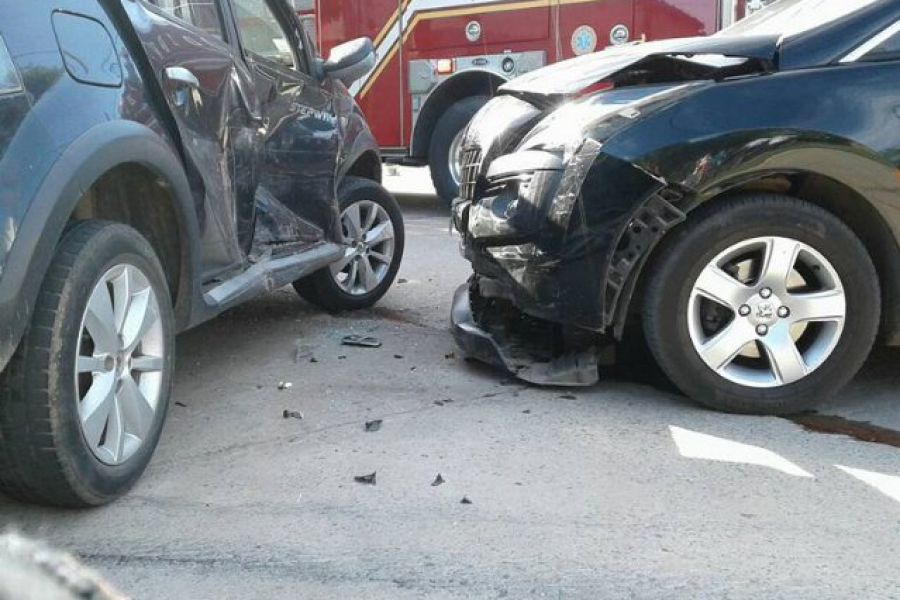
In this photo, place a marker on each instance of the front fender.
(34, 240)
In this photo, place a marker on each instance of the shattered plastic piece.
(568, 397)
(181, 404)
(527, 411)
(450, 355)
(374, 425)
(313, 359)
(465, 500)
(342, 357)
(292, 414)
(367, 479)
(398, 356)
(437, 481)
(401, 281)
(285, 385)
(361, 341)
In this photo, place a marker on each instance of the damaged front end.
(556, 228)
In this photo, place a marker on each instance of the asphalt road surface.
(618, 491)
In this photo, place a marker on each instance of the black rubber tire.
(43, 455)
(454, 120)
(320, 288)
(710, 230)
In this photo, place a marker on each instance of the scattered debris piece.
(367, 479)
(373, 425)
(465, 500)
(285, 385)
(398, 356)
(181, 404)
(313, 359)
(401, 281)
(490, 394)
(361, 341)
(412, 368)
(292, 414)
(437, 481)
(568, 397)
(450, 356)
(527, 411)
(444, 401)
(303, 352)
(342, 357)
(259, 386)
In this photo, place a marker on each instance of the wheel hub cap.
(368, 234)
(119, 364)
(766, 312)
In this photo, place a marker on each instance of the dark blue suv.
(160, 162)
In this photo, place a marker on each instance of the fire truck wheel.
(446, 146)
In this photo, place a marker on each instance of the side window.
(262, 34)
(886, 50)
(202, 14)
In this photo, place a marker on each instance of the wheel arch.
(464, 84)
(98, 152)
(850, 202)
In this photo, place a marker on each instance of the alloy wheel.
(369, 236)
(766, 312)
(119, 364)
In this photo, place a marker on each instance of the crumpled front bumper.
(527, 357)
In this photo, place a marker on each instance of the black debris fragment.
(361, 341)
(437, 481)
(181, 404)
(367, 479)
(465, 500)
(567, 397)
(401, 281)
(373, 425)
(285, 385)
(313, 359)
(398, 356)
(292, 414)
(444, 401)
(303, 352)
(450, 356)
(342, 357)
(527, 411)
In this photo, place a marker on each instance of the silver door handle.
(182, 76)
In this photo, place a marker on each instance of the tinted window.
(202, 14)
(261, 32)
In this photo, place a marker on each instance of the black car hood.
(682, 59)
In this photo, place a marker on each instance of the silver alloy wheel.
(119, 364)
(369, 235)
(766, 312)
(455, 156)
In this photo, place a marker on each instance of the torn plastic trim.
(573, 368)
(525, 162)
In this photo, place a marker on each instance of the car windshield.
(793, 17)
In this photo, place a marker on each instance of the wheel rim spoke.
(352, 220)
(719, 286)
(380, 257)
(147, 364)
(99, 320)
(122, 297)
(95, 408)
(780, 258)
(722, 349)
(114, 443)
(91, 364)
(784, 358)
(137, 413)
(830, 305)
(367, 275)
(142, 315)
(381, 233)
(341, 265)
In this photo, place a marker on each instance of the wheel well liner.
(464, 84)
(367, 165)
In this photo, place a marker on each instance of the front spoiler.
(575, 369)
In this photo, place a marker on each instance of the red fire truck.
(438, 61)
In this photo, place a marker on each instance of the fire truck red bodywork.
(411, 36)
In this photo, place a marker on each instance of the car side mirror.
(350, 61)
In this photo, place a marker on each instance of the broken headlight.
(519, 189)
(9, 77)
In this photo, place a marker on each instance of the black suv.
(162, 161)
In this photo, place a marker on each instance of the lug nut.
(765, 293)
(762, 330)
(784, 312)
(744, 310)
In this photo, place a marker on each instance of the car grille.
(471, 169)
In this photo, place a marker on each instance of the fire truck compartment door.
(438, 24)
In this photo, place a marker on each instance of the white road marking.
(889, 485)
(692, 444)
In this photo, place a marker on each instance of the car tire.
(330, 288)
(61, 370)
(445, 140)
(789, 364)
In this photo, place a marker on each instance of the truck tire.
(85, 396)
(761, 304)
(372, 226)
(446, 144)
